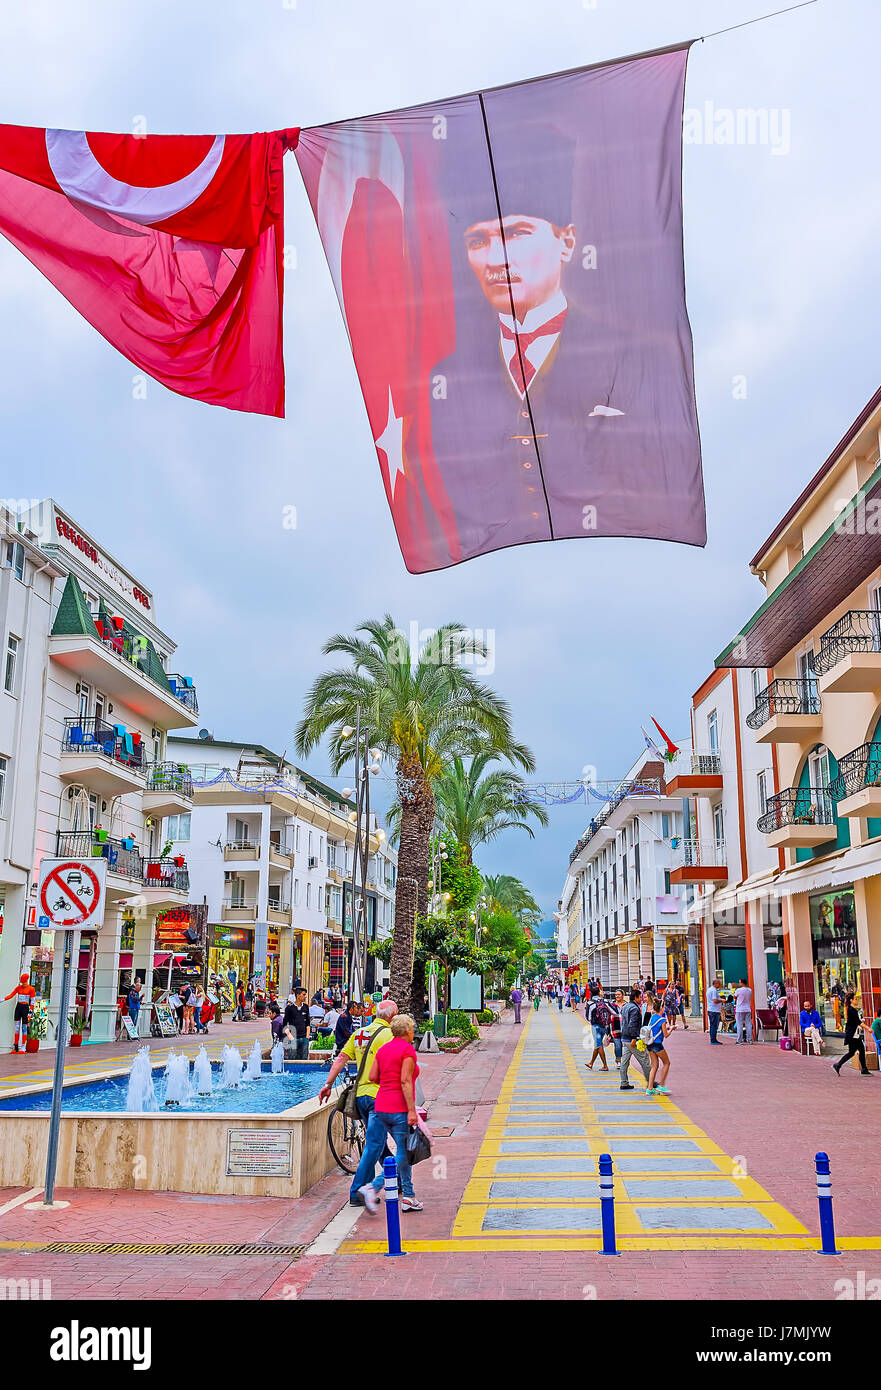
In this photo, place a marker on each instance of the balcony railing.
(165, 873)
(183, 689)
(91, 736)
(83, 844)
(279, 906)
(248, 905)
(641, 786)
(706, 764)
(857, 771)
(857, 631)
(241, 844)
(798, 806)
(170, 777)
(692, 853)
(281, 847)
(786, 696)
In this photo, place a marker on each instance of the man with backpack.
(631, 1022)
(599, 1017)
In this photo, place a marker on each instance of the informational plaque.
(258, 1153)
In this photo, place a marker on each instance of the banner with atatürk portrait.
(509, 265)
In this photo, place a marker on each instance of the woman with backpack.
(599, 1016)
(654, 1034)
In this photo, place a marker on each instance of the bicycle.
(345, 1136)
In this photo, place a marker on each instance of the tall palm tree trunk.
(411, 894)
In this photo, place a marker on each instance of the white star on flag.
(391, 441)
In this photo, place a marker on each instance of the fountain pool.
(268, 1094)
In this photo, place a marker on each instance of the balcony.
(169, 790)
(696, 861)
(124, 864)
(116, 662)
(239, 910)
(857, 788)
(184, 691)
(799, 818)
(334, 874)
(164, 882)
(787, 711)
(239, 851)
(849, 658)
(704, 777)
(281, 854)
(278, 913)
(94, 753)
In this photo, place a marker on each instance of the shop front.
(836, 954)
(230, 956)
(334, 974)
(272, 955)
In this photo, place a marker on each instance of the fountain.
(141, 1094)
(202, 1073)
(253, 1067)
(276, 1057)
(177, 1079)
(231, 1065)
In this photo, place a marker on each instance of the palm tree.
(477, 808)
(507, 894)
(421, 710)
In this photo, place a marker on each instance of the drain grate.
(85, 1247)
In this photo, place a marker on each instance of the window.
(320, 900)
(808, 692)
(665, 826)
(758, 683)
(240, 834)
(178, 827)
(763, 793)
(308, 894)
(667, 884)
(237, 892)
(11, 659)
(310, 844)
(85, 697)
(718, 823)
(320, 847)
(15, 558)
(100, 705)
(713, 731)
(296, 891)
(4, 767)
(298, 839)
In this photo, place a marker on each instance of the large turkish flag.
(170, 245)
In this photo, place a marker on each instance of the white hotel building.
(89, 696)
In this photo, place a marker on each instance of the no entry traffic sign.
(71, 892)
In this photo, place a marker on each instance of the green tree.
(422, 710)
(477, 806)
(507, 894)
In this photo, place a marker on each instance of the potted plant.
(179, 861)
(75, 1023)
(38, 1025)
(100, 834)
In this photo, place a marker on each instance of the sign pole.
(58, 1081)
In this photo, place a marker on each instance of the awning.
(835, 565)
(835, 870)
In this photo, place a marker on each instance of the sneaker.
(370, 1198)
(625, 1088)
(410, 1204)
(648, 1092)
(835, 1069)
(715, 1044)
(661, 1090)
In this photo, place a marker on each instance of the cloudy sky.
(590, 639)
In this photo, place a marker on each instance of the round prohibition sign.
(70, 895)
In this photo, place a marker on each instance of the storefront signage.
(166, 1019)
(833, 924)
(258, 1153)
(234, 938)
(182, 928)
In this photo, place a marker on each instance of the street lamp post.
(366, 763)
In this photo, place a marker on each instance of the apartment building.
(628, 891)
(725, 789)
(92, 701)
(817, 635)
(269, 849)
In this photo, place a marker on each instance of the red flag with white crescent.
(169, 245)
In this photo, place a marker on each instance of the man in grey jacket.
(631, 1022)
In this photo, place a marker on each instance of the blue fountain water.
(267, 1095)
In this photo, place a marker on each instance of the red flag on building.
(170, 245)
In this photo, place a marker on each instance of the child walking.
(659, 1062)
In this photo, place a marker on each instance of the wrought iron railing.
(857, 771)
(92, 736)
(798, 806)
(170, 777)
(166, 873)
(858, 631)
(785, 696)
(84, 844)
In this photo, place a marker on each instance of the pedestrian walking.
(615, 1007)
(853, 1038)
(671, 1005)
(134, 1002)
(394, 1071)
(631, 1022)
(680, 990)
(714, 1010)
(658, 1030)
(296, 1017)
(361, 1048)
(598, 1017)
(536, 1000)
(516, 999)
(558, 991)
(743, 1012)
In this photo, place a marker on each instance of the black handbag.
(418, 1145)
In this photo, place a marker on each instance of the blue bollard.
(607, 1204)
(824, 1200)
(392, 1210)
